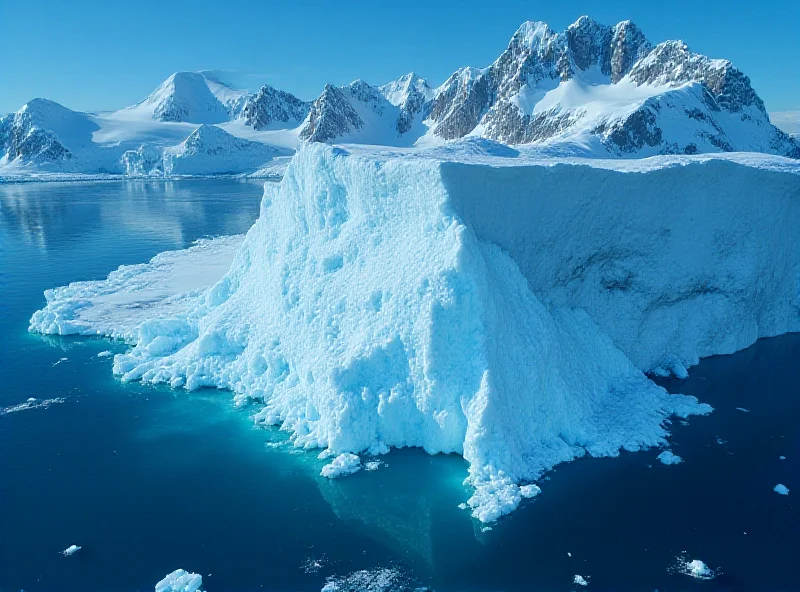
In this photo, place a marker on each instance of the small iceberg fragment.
(104, 354)
(71, 550)
(580, 580)
(344, 464)
(781, 457)
(180, 581)
(372, 465)
(668, 458)
(743, 410)
(529, 491)
(698, 570)
(781, 489)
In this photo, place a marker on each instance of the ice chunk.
(668, 458)
(580, 580)
(344, 464)
(781, 489)
(180, 581)
(743, 410)
(372, 465)
(529, 490)
(71, 550)
(104, 354)
(697, 569)
(781, 457)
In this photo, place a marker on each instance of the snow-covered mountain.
(272, 108)
(592, 90)
(411, 93)
(189, 97)
(606, 88)
(49, 136)
(362, 114)
(211, 150)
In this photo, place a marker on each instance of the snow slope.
(188, 97)
(478, 300)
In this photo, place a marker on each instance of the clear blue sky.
(92, 55)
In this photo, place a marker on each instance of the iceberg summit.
(477, 299)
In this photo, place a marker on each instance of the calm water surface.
(148, 480)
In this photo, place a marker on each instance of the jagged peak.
(532, 33)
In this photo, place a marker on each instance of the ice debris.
(31, 403)
(781, 489)
(580, 580)
(344, 464)
(105, 354)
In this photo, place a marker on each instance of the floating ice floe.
(71, 550)
(372, 465)
(743, 410)
(668, 458)
(344, 464)
(105, 354)
(580, 580)
(781, 457)
(781, 489)
(180, 581)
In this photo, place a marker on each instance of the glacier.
(471, 299)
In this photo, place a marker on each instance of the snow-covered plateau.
(470, 298)
(592, 90)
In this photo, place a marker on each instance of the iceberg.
(478, 300)
(71, 550)
(180, 581)
(669, 458)
(698, 570)
(781, 489)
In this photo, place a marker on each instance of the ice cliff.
(475, 300)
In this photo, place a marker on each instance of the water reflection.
(48, 215)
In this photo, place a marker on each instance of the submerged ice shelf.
(470, 299)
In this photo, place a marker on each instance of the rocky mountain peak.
(330, 116)
(269, 107)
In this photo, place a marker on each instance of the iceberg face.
(497, 307)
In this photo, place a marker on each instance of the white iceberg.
(475, 300)
(781, 489)
(580, 580)
(698, 570)
(344, 464)
(668, 458)
(180, 581)
(71, 550)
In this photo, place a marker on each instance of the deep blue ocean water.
(147, 480)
